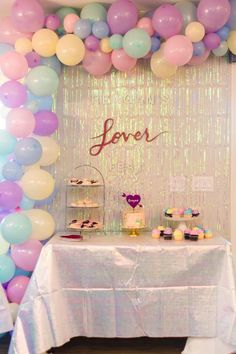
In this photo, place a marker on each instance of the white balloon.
(50, 149)
(43, 224)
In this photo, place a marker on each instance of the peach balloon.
(145, 23)
(121, 61)
(105, 45)
(70, 50)
(14, 65)
(178, 50)
(160, 67)
(195, 31)
(44, 42)
(69, 22)
(97, 63)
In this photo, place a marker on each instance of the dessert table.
(116, 286)
(6, 324)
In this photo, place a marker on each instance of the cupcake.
(156, 233)
(176, 214)
(168, 233)
(200, 233)
(169, 212)
(181, 212)
(178, 235)
(208, 234)
(194, 235)
(188, 213)
(195, 213)
(187, 233)
(161, 229)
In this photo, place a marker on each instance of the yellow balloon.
(51, 150)
(105, 45)
(23, 45)
(70, 50)
(195, 31)
(160, 67)
(37, 184)
(43, 224)
(232, 42)
(44, 42)
(31, 167)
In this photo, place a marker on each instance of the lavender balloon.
(122, 16)
(13, 94)
(10, 195)
(167, 21)
(213, 14)
(33, 59)
(52, 22)
(46, 123)
(92, 43)
(211, 41)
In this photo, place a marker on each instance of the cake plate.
(133, 231)
(183, 222)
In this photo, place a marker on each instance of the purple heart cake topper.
(132, 200)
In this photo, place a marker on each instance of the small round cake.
(178, 235)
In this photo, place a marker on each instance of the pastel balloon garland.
(33, 48)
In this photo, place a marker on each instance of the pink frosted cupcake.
(187, 233)
(156, 233)
(168, 233)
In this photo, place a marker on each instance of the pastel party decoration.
(26, 203)
(105, 45)
(52, 22)
(211, 40)
(12, 171)
(132, 200)
(195, 31)
(70, 50)
(53, 63)
(70, 21)
(50, 152)
(137, 43)
(7, 268)
(83, 28)
(44, 42)
(122, 16)
(13, 94)
(10, 195)
(37, 184)
(122, 61)
(221, 50)
(23, 45)
(4, 245)
(26, 254)
(92, 43)
(160, 67)
(188, 11)
(46, 122)
(97, 63)
(7, 142)
(94, 12)
(116, 41)
(33, 59)
(42, 222)
(232, 41)
(16, 288)
(42, 81)
(14, 65)
(16, 228)
(167, 21)
(213, 14)
(178, 50)
(28, 151)
(27, 15)
(8, 33)
(20, 122)
(145, 23)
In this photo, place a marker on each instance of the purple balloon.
(52, 22)
(46, 123)
(213, 14)
(122, 16)
(167, 21)
(92, 43)
(33, 59)
(211, 41)
(10, 195)
(13, 94)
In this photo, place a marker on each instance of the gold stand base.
(133, 232)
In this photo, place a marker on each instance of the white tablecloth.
(6, 324)
(116, 286)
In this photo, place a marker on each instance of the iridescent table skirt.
(6, 324)
(116, 286)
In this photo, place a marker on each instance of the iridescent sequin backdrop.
(193, 106)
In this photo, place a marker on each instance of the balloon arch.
(33, 47)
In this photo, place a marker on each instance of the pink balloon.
(25, 255)
(122, 16)
(213, 14)
(16, 288)
(178, 50)
(122, 61)
(69, 22)
(52, 22)
(8, 33)
(20, 122)
(167, 21)
(14, 65)
(145, 23)
(13, 94)
(27, 15)
(92, 43)
(97, 63)
(199, 59)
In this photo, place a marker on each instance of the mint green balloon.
(7, 268)
(16, 228)
(42, 81)
(7, 143)
(94, 12)
(115, 41)
(137, 43)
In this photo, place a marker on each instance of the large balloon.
(13, 94)
(160, 67)
(42, 81)
(28, 151)
(232, 42)
(53, 63)
(16, 228)
(51, 150)
(27, 15)
(10, 195)
(97, 63)
(122, 61)
(122, 16)
(26, 254)
(213, 14)
(137, 43)
(94, 12)
(178, 50)
(12, 171)
(14, 65)
(16, 288)
(8, 33)
(232, 18)
(37, 184)
(44, 42)
(167, 20)
(70, 50)
(46, 123)
(4, 245)
(188, 11)
(7, 268)
(20, 122)
(42, 222)
(7, 143)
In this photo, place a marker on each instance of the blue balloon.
(7, 268)
(38, 103)
(5, 48)
(156, 43)
(198, 49)
(12, 171)
(82, 28)
(100, 29)
(223, 33)
(7, 142)
(28, 151)
(27, 203)
(19, 271)
(16, 228)
(3, 160)
(53, 63)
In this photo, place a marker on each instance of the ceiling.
(51, 5)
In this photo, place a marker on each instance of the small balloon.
(100, 29)
(13, 94)
(7, 143)
(46, 123)
(33, 59)
(17, 288)
(7, 268)
(105, 45)
(69, 22)
(52, 22)
(10, 195)
(211, 41)
(116, 41)
(195, 31)
(26, 254)
(156, 43)
(223, 32)
(221, 50)
(38, 103)
(97, 63)
(27, 203)
(14, 65)
(12, 171)
(198, 48)
(145, 23)
(92, 43)
(53, 63)
(82, 28)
